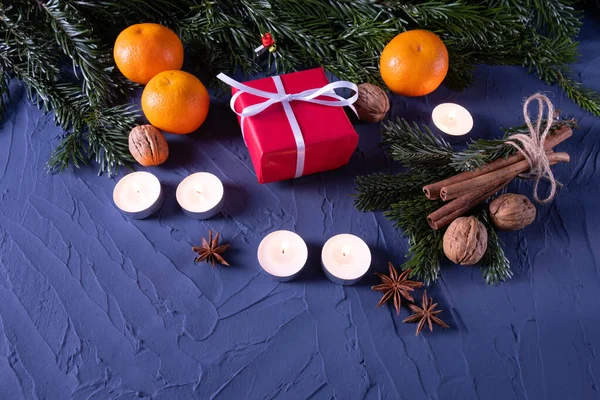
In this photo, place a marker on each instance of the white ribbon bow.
(309, 96)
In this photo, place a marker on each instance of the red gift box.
(329, 137)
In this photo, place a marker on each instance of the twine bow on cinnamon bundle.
(533, 160)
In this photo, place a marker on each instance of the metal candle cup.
(201, 195)
(138, 195)
(345, 259)
(282, 255)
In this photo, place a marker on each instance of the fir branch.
(122, 13)
(32, 55)
(70, 151)
(460, 72)
(4, 91)
(65, 99)
(556, 124)
(108, 133)
(473, 24)
(479, 153)
(105, 141)
(380, 191)
(495, 267)
(99, 134)
(547, 56)
(557, 18)
(213, 27)
(89, 55)
(27, 45)
(583, 97)
(424, 254)
(414, 146)
(312, 32)
(425, 244)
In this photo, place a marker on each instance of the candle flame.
(452, 114)
(284, 247)
(198, 189)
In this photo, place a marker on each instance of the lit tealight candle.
(345, 259)
(138, 195)
(282, 255)
(201, 195)
(452, 119)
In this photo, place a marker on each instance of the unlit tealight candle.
(201, 195)
(138, 194)
(282, 255)
(346, 259)
(452, 119)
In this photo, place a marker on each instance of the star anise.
(396, 286)
(425, 315)
(210, 251)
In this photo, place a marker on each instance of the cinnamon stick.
(432, 191)
(490, 180)
(460, 206)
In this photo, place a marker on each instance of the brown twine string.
(532, 145)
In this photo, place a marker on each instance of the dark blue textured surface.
(94, 306)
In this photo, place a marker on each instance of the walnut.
(465, 241)
(372, 103)
(148, 145)
(512, 211)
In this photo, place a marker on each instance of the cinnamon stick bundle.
(433, 191)
(495, 178)
(477, 190)
(443, 216)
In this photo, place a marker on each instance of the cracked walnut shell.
(465, 241)
(148, 145)
(511, 212)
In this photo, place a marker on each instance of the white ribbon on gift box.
(309, 96)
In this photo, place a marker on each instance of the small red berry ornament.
(267, 40)
(268, 43)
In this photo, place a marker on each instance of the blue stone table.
(96, 306)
